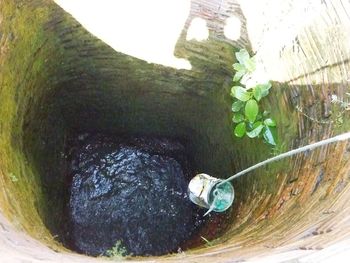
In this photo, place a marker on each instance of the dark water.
(132, 190)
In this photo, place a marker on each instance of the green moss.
(24, 77)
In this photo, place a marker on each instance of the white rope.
(341, 137)
(338, 138)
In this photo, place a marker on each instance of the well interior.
(57, 79)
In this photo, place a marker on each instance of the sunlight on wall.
(232, 29)
(269, 34)
(198, 30)
(134, 27)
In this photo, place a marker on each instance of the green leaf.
(240, 130)
(250, 64)
(240, 93)
(249, 126)
(238, 75)
(251, 110)
(239, 67)
(270, 122)
(267, 85)
(237, 117)
(270, 135)
(257, 92)
(256, 124)
(264, 89)
(254, 133)
(237, 106)
(242, 56)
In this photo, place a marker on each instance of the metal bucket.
(202, 192)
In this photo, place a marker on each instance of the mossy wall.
(60, 80)
(29, 59)
(57, 79)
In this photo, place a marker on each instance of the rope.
(338, 138)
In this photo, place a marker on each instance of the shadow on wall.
(128, 27)
(99, 83)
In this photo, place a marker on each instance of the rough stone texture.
(294, 209)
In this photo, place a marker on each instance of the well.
(58, 79)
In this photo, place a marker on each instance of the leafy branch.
(247, 115)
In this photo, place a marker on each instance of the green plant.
(13, 177)
(340, 107)
(117, 252)
(207, 242)
(248, 117)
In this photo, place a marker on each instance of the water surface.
(132, 190)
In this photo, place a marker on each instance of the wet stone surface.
(132, 190)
